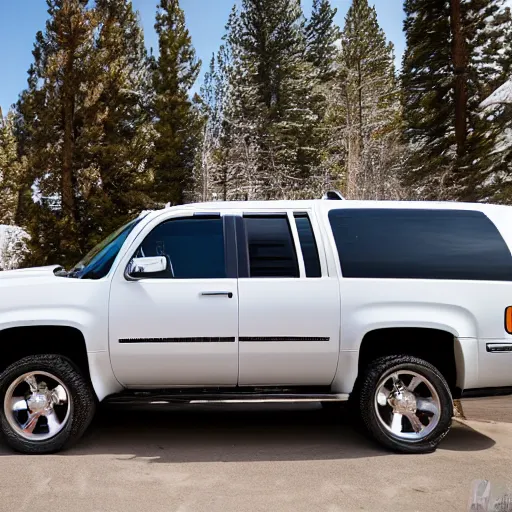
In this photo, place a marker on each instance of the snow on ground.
(13, 246)
(501, 95)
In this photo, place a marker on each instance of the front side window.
(193, 247)
(271, 248)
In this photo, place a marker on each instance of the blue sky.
(20, 20)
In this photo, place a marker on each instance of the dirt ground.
(255, 458)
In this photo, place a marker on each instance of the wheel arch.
(455, 357)
(24, 340)
(62, 339)
(436, 346)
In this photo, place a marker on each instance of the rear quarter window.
(420, 244)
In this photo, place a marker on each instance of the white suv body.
(268, 298)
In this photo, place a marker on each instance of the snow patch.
(13, 246)
(500, 96)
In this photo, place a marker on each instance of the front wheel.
(46, 404)
(405, 404)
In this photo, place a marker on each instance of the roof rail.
(333, 195)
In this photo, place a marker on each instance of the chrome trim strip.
(499, 347)
(214, 339)
(281, 338)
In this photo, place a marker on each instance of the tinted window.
(308, 245)
(194, 247)
(420, 244)
(271, 248)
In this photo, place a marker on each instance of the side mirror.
(140, 267)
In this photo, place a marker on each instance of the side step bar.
(224, 398)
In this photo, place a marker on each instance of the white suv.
(400, 307)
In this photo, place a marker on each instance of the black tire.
(366, 398)
(82, 403)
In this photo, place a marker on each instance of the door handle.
(229, 295)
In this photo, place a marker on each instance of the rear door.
(289, 307)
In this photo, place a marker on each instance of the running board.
(224, 398)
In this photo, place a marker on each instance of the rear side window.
(420, 244)
(271, 249)
(194, 248)
(308, 245)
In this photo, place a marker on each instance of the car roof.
(326, 205)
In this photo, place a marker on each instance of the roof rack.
(333, 195)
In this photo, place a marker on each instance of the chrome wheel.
(37, 405)
(407, 405)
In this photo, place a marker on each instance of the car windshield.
(98, 261)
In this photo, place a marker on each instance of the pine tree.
(496, 113)
(272, 102)
(204, 166)
(52, 116)
(486, 167)
(12, 170)
(178, 125)
(85, 127)
(323, 38)
(239, 174)
(322, 35)
(118, 123)
(456, 55)
(365, 105)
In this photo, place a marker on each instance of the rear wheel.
(47, 404)
(405, 404)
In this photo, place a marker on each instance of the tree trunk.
(68, 197)
(68, 112)
(459, 61)
(21, 206)
(354, 164)
(68, 204)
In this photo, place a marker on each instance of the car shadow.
(234, 433)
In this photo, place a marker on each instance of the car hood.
(29, 272)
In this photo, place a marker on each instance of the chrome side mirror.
(138, 267)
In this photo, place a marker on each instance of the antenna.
(333, 195)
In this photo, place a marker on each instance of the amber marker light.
(508, 319)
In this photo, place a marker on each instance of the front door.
(180, 329)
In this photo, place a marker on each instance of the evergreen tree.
(271, 100)
(85, 127)
(118, 123)
(52, 112)
(485, 170)
(322, 34)
(366, 108)
(178, 125)
(239, 174)
(203, 165)
(428, 103)
(12, 170)
(456, 55)
(496, 113)
(323, 39)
